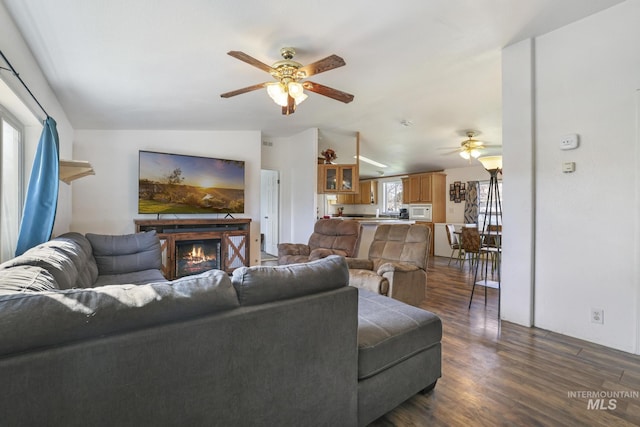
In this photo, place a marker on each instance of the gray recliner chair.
(397, 263)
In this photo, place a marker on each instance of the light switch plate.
(569, 142)
(568, 167)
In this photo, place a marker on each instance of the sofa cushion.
(260, 284)
(319, 253)
(126, 253)
(26, 278)
(79, 250)
(42, 319)
(55, 256)
(133, 278)
(390, 331)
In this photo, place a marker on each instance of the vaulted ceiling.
(422, 72)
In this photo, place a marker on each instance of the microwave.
(420, 212)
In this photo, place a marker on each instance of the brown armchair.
(330, 237)
(397, 263)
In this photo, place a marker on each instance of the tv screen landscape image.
(182, 184)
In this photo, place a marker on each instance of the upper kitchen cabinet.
(406, 196)
(420, 188)
(337, 178)
(429, 188)
(338, 161)
(368, 192)
(424, 187)
(367, 195)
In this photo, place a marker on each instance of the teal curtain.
(42, 193)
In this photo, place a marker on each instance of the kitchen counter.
(375, 220)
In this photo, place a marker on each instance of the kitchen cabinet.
(420, 190)
(346, 199)
(337, 178)
(405, 191)
(367, 194)
(428, 187)
(341, 175)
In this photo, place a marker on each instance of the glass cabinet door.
(337, 179)
(331, 178)
(346, 183)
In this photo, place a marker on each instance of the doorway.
(269, 212)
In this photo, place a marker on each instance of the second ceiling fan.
(288, 89)
(471, 148)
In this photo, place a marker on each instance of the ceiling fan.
(471, 148)
(288, 89)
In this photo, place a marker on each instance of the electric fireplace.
(192, 246)
(197, 256)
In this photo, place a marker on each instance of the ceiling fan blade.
(451, 152)
(243, 90)
(326, 64)
(290, 108)
(250, 60)
(336, 94)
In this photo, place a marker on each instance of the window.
(391, 197)
(11, 190)
(483, 194)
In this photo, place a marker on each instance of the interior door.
(269, 214)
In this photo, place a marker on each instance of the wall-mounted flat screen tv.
(181, 184)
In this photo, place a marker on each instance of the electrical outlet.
(597, 316)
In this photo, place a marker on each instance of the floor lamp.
(493, 165)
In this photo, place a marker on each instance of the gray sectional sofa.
(92, 334)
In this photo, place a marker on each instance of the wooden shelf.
(71, 170)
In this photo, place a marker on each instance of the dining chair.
(454, 243)
(490, 247)
(491, 244)
(471, 244)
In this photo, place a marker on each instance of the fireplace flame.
(197, 255)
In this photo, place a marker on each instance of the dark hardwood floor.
(502, 374)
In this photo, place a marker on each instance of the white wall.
(108, 202)
(586, 223)
(15, 49)
(518, 189)
(296, 159)
(474, 172)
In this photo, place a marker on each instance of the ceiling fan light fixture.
(278, 93)
(287, 91)
(300, 98)
(465, 155)
(297, 92)
(295, 89)
(475, 153)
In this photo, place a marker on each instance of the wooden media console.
(231, 252)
